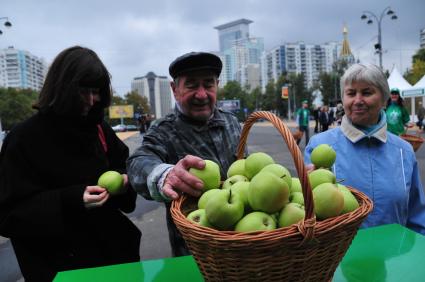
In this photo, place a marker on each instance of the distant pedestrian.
(397, 115)
(303, 119)
(325, 119)
(421, 115)
(316, 113)
(339, 113)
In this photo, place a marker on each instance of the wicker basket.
(308, 251)
(415, 141)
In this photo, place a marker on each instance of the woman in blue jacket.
(371, 159)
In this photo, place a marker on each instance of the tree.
(418, 67)
(139, 102)
(16, 106)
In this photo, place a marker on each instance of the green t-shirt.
(303, 116)
(397, 117)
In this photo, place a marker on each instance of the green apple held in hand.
(255, 221)
(236, 168)
(323, 156)
(199, 217)
(232, 180)
(296, 197)
(206, 196)
(328, 201)
(224, 210)
(350, 202)
(319, 176)
(267, 192)
(210, 175)
(292, 213)
(112, 181)
(296, 185)
(280, 171)
(256, 162)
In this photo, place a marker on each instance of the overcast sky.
(135, 37)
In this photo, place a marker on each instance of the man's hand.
(95, 196)
(179, 180)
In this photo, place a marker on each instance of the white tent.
(396, 80)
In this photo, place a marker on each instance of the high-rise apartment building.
(240, 54)
(422, 38)
(21, 69)
(157, 90)
(298, 57)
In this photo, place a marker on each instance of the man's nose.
(201, 92)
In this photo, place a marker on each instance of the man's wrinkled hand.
(179, 180)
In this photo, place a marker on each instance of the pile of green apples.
(259, 194)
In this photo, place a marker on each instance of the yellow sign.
(285, 93)
(123, 111)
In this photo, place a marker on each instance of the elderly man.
(195, 131)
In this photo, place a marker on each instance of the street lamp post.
(6, 23)
(370, 16)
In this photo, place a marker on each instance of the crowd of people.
(57, 216)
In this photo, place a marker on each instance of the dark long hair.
(72, 68)
(400, 101)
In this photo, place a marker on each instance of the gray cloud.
(135, 37)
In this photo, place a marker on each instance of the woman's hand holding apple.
(95, 196)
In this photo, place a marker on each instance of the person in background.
(339, 113)
(325, 119)
(421, 115)
(371, 159)
(196, 131)
(51, 207)
(316, 113)
(397, 115)
(303, 120)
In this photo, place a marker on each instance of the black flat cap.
(194, 61)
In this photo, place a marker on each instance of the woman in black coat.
(50, 205)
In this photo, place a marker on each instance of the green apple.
(319, 176)
(328, 201)
(199, 217)
(255, 221)
(256, 162)
(232, 180)
(323, 156)
(267, 192)
(342, 187)
(210, 175)
(296, 197)
(296, 185)
(225, 209)
(350, 202)
(280, 171)
(236, 168)
(291, 213)
(242, 188)
(202, 202)
(112, 181)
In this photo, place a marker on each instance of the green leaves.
(16, 105)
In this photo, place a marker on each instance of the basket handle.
(305, 227)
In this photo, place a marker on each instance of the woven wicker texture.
(415, 141)
(308, 251)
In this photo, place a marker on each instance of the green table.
(384, 253)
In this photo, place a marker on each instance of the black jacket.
(45, 164)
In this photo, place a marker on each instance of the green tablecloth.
(384, 253)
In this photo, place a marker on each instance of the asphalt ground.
(149, 216)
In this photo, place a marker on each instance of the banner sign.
(123, 111)
(285, 92)
(229, 105)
